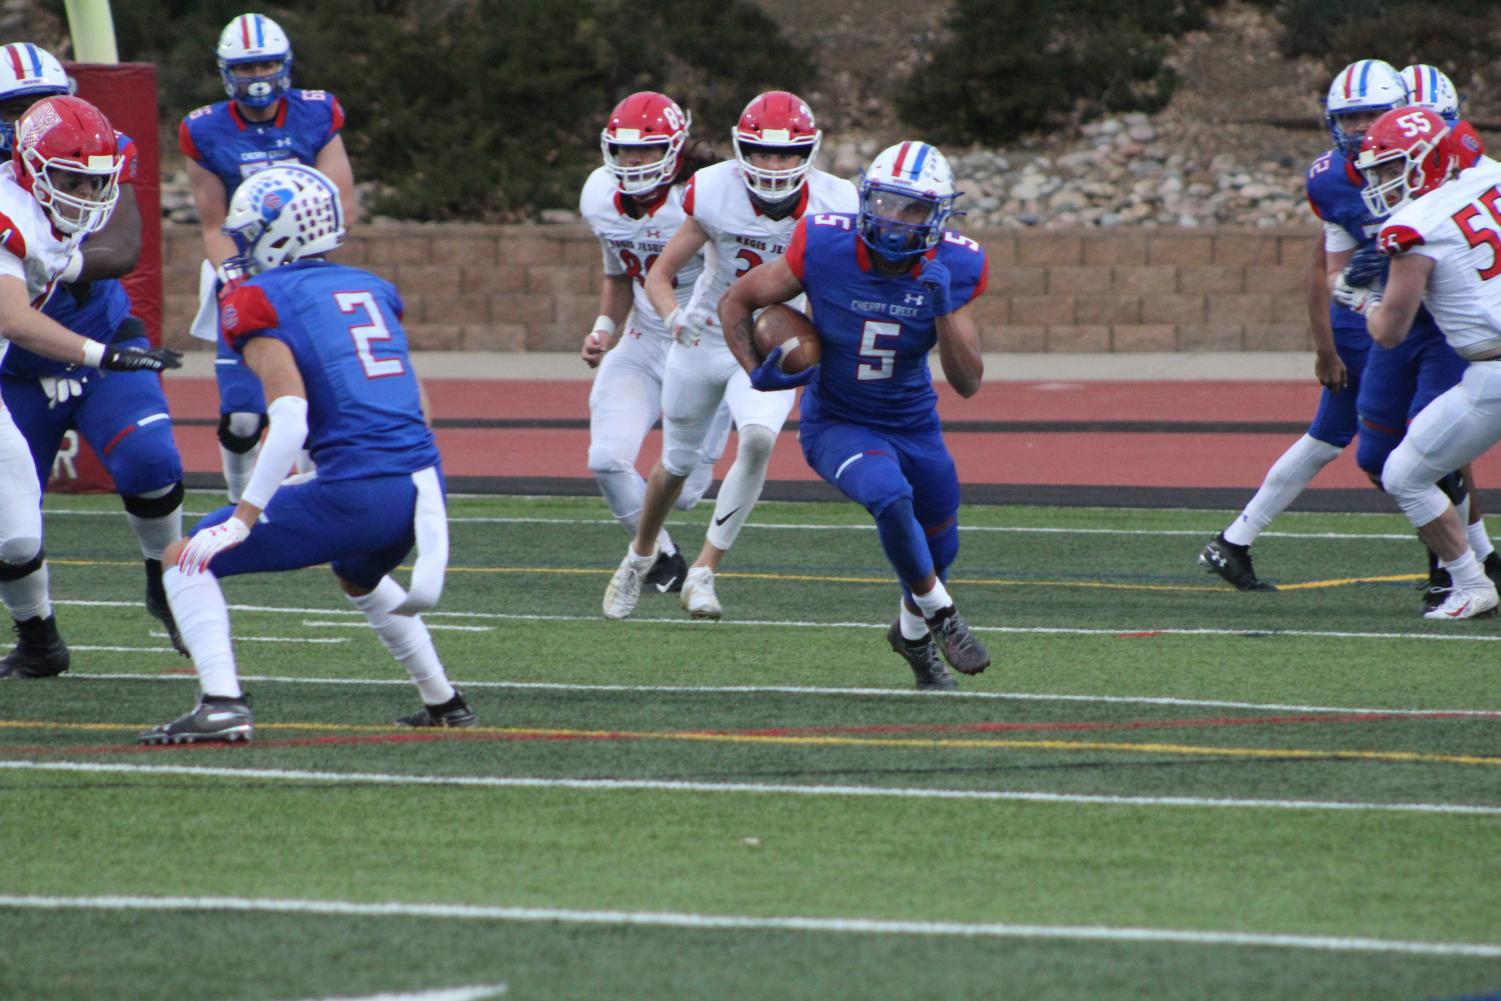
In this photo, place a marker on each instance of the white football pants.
(1456, 428)
(698, 380)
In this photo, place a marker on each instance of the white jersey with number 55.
(1458, 227)
(740, 236)
(29, 247)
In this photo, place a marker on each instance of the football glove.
(1361, 300)
(134, 359)
(1368, 268)
(210, 542)
(60, 389)
(768, 377)
(935, 280)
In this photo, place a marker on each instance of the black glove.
(1368, 268)
(134, 359)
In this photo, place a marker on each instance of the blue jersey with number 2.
(343, 326)
(876, 330)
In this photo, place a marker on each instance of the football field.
(1160, 789)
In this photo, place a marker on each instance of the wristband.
(93, 353)
(604, 325)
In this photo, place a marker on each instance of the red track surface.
(1065, 458)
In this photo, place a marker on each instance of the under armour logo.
(915, 298)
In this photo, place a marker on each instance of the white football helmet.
(1430, 87)
(1364, 85)
(905, 198)
(27, 71)
(281, 215)
(254, 38)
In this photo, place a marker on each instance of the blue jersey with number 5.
(343, 326)
(876, 330)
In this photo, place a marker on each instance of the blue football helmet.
(906, 197)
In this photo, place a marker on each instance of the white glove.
(210, 542)
(681, 330)
(60, 389)
(1361, 300)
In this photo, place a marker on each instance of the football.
(781, 324)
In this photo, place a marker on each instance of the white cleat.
(698, 596)
(1466, 603)
(625, 586)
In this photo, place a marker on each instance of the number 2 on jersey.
(364, 334)
(877, 362)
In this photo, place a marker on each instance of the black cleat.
(668, 573)
(39, 653)
(454, 712)
(961, 647)
(219, 719)
(1492, 568)
(1233, 563)
(922, 656)
(157, 607)
(1436, 589)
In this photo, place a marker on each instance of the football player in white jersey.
(634, 204)
(61, 185)
(1444, 238)
(744, 211)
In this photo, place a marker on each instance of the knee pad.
(20, 557)
(1375, 444)
(241, 432)
(875, 482)
(943, 543)
(603, 459)
(755, 444)
(143, 506)
(1422, 502)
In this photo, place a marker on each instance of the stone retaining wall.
(535, 288)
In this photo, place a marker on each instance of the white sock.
(1480, 541)
(1466, 571)
(742, 486)
(642, 563)
(1288, 477)
(913, 626)
(237, 469)
(407, 639)
(665, 543)
(934, 601)
(203, 620)
(156, 534)
(29, 596)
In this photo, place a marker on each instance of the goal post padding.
(126, 93)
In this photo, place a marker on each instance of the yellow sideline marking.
(835, 741)
(1098, 585)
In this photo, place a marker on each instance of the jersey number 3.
(365, 334)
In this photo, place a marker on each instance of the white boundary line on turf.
(1247, 633)
(814, 527)
(668, 919)
(753, 788)
(902, 693)
(476, 992)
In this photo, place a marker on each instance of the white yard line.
(744, 788)
(476, 992)
(1132, 631)
(852, 925)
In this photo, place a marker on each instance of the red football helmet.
(646, 119)
(778, 122)
(1407, 152)
(66, 155)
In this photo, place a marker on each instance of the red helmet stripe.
(245, 29)
(1417, 90)
(1350, 80)
(14, 51)
(901, 157)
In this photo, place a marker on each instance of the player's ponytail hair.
(695, 156)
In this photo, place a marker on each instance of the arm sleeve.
(1338, 239)
(797, 249)
(284, 438)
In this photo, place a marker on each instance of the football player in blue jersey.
(326, 342)
(1373, 389)
(123, 415)
(885, 286)
(264, 123)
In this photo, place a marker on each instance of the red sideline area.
(1064, 457)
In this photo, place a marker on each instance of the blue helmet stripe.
(1365, 74)
(36, 60)
(1433, 81)
(922, 158)
(260, 31)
